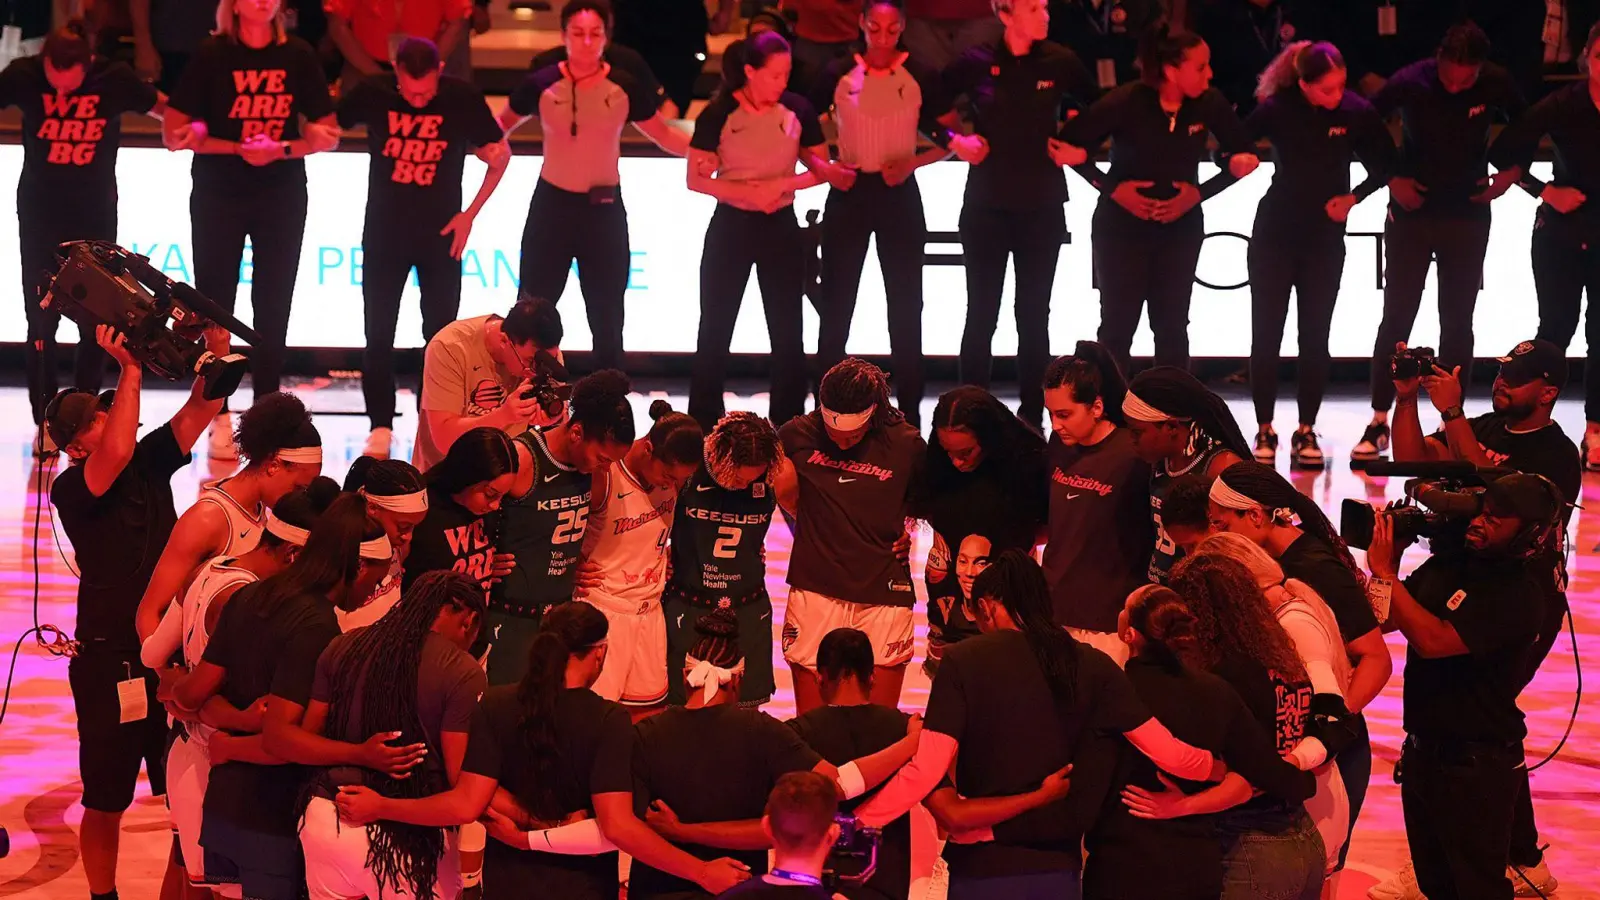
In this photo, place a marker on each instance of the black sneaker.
(1266, 451)
(1374, 442)
(1304, 452)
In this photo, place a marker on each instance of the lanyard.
(1102, 27)
(798, 877)
(1269, 41)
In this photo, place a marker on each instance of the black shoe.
(1304, 452)
(1374, 442)
(1266, 450)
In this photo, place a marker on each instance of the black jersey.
(1166, 554)
(544, 531)
(719, 535)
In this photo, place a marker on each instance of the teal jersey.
(718, 540)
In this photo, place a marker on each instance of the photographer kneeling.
(800, 821)
(1519, 434)
(1470, 615)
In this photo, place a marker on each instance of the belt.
(1456, 749)
(715, 599)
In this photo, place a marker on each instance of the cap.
(1526, 497)
(1536, 359)
(69, 413)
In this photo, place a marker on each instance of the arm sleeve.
(1155, 741)
(612, 772)
(1374, 147)
(483, 745)
(1315, 648)
(1082, 89)
(482, 129)
(165, 640)
(709, 123)
(1252, 753)
(578, 839)
(1518, 141)
(810, 127)
(297, 667)
(314, 100)
(935, 752)
(1090, 128)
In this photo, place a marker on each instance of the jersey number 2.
(727, 544)
(570, 526)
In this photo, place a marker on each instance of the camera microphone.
(1432, 471)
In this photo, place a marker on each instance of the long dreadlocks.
(1272, 493)
(1167, 392)
(740, 439)
(378, 676)
(855, 385)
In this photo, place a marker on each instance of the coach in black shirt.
(1470, 617)
(115, 504)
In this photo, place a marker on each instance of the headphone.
(1536, 538)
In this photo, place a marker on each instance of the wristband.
(288, 150)
(940, 138)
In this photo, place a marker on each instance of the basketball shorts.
(683, 607)
(635, 671)
(808, 617)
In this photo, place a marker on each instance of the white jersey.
(627, 539)
(244, 526)
(214, 577)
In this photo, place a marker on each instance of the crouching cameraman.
(1520, 434)
(115, 504)
(799, 820)
(1470, 615)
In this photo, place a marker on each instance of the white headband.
(416, 502)
(847, 421)
(378, 548)
(308, 455)
(294, 534)
(1140, 411)
(1228, 498)
(709, 677)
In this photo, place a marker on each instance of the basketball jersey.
(214, 577)
(630, 543)
(719, 537)
(244, 526)
(1166, 554)
(543, 530)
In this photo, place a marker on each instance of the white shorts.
(635, 672)
(336, 859)
(1109, 644)
(188, 773)
(808, 617)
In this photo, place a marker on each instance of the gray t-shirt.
(582, 121)
(751, 145)
(449, 683)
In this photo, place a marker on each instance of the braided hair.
(383, 477)
(1265, 486)
(741, 439)
(853, 386)
(1233, 620)
(1092, 373)
(377, 675)
(1017, 583)
(568, 630)
(1179, 395)
(718, 643)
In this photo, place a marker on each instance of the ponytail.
(569, 630)
(1300, 61)
(1162, 47)
(69, 46)
(675, 438)
(1091, 373)
(1166, 623)
(753, 51)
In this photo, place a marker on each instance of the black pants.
(894, 216)
(1457, 801)
(388, 254)
(564, 226)
(1031, 239)
(1525, 850)
(1410, 243)
(1136, 263)
(735, 241)
(110, 752)
(1565, 264)
(43, 225)
(272, 217)
(1310, 262)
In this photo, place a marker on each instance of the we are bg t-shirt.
(450, 538)
(70, 141)
(417, 153)
(240, 92)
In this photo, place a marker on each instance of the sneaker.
(1591, 448)
(1304, 452)
(44, 447)
(378, 443)
(1400, 886)
(1266, 451)
(1374, 442)
(222, 438)
(1533, 881)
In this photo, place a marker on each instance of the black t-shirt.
(119, 536)
(1496, 606)
(845, 733)
(451, 538)
(712, 764)
(1018, 105)
(1202, 710)
(761, 889)
(266, 651)
(1282, 706)
(1101, 531)
(240, 92)
(417, 153)
(992, 697)
(69, 144)
(595, 743)
(1314, 562)
(719, 537)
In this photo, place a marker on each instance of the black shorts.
(682, 607)
(109, 752)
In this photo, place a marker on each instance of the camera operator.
(1471, 616)
(799, 822)
(1519, 434)
(476, 373)
(115, 504)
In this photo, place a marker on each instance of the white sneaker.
(1401, 886)
(1535, 881)
(1266, 449)
(222, 446)
(378, 443)
(44, 447)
